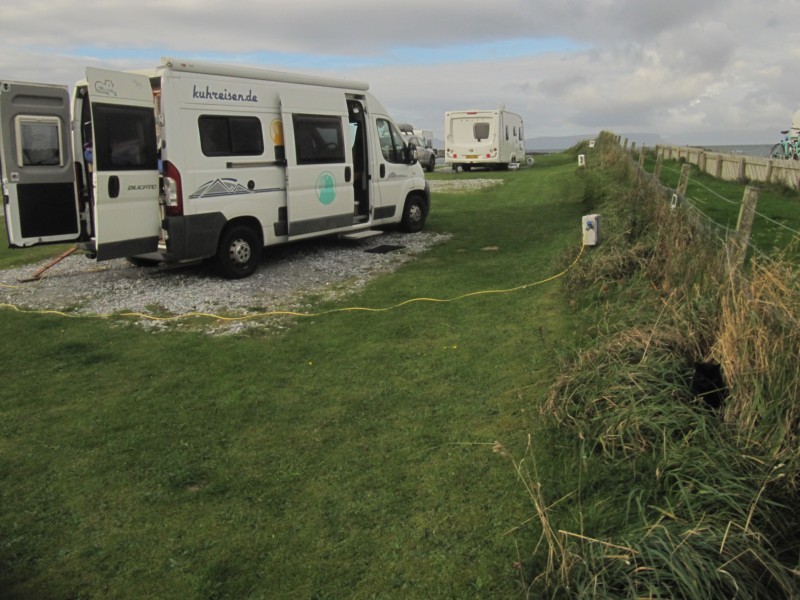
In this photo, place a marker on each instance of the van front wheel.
(239, 252)
(414, 215)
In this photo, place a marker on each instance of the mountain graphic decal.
(220, 187)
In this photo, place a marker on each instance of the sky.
(707, 72)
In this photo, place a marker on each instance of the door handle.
(347, 174)
(383, 170)
(113, 186)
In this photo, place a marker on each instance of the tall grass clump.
(710, 507)
(758, 347)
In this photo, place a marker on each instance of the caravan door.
(38, 175)
(127, 217)
(319, 162)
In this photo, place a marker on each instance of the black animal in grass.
(708, 384)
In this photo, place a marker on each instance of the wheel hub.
(239, 252)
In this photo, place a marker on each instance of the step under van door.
(319, 159)
(38, 175)
(126, 212)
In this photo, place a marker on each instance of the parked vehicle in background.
(483, 138)
(425, 155)
(191, 160)
(426, 136)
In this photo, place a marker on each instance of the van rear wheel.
(239, 252)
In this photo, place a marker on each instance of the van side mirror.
(411, 154)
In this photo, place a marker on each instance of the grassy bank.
(682, 411)
(347, 457)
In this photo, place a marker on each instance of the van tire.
(431, 165)
(239, 252)
(414, 214)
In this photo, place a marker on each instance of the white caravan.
(483, 138)
(194, 160)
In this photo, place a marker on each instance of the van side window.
(318, 139)
(230, 136)
(38, 141)
(391, 141)
(126, 138)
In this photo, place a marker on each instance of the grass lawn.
(348, 457)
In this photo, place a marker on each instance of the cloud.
(690, 71)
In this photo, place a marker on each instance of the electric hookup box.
(591, 229)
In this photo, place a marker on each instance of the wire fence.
(722, 231)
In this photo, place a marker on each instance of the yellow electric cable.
(290, 313)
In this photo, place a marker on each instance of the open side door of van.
(126, 212)
(319, 161)
(38, 174)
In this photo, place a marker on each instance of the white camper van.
(484, 138)
(194, 160)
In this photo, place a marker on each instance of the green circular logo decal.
(326, 188)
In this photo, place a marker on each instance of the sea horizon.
(762, 150)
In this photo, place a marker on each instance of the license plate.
(472, 156)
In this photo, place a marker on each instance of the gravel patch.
(458, 186)
(289, 278)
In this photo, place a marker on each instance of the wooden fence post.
(718, 167)
(742, 170)
(744, 226)
(683, 182)
(657, 172)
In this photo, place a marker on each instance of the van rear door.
(127, 217)
(38, 174)
(319, 158)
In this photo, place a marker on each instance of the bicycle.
(787, 148)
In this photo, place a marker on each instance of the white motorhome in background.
(491, 138)
(194, 160)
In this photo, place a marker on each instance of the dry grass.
(758, 347)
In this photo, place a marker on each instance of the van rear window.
(125, 138)
(230, 136)
(480, 131)
(39, 141)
